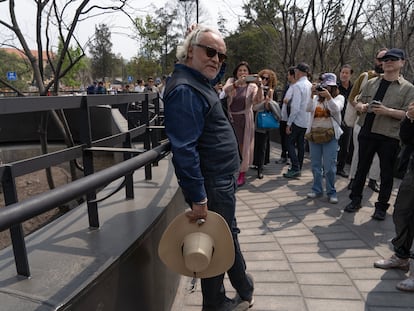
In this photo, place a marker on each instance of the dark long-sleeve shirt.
(202, 139)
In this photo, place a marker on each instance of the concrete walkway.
(308, 254)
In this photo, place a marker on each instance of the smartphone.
(373, 104)
(251, 78)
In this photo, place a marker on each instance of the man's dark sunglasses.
(265, 78)
(390, 58)
(212, 52)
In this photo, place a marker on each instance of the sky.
(119, 26)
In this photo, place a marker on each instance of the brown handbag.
(320, 135)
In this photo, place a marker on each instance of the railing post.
(129, 180)
(86, 138)
(147, 138)
(16, 231)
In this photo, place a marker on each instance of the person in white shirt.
(298, 119)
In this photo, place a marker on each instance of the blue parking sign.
(130, 78)
(11, 75)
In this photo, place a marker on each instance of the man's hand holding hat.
(198, 211)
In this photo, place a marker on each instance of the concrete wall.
(113, 268)
(138, 280)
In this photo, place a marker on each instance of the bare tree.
(62, 18)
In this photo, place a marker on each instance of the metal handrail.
(38, 204)
(14, 213)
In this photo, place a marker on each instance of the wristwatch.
(202, 202)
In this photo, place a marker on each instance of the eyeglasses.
(390, 59)
(265, 78)
(210, 52)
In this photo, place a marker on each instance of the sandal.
(407, 285)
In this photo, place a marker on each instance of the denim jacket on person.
(399, 95)
(203, 142)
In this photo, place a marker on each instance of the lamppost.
(196, 1)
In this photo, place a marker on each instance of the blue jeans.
(296, 139)
(222, 200)
(323, 161)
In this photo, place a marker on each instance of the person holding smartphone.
(261, 136)
(242, 92)
(382, 104)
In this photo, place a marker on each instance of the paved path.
(308, 254)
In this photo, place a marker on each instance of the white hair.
(192, 38)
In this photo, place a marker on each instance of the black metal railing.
(14, 213)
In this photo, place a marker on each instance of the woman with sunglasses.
(261, 136)
(242, 93)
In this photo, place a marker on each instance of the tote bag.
(266, 120)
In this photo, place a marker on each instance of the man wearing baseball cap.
(382, 104)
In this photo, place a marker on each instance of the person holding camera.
(261, 136)
(323, 133)
(242, 92)
(382, 104)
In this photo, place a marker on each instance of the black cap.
(394, 53)
(303, 67)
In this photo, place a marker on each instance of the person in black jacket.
(205, 154)
(403, 215)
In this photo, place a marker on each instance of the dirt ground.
(28, 186)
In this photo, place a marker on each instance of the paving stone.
(308, 255)
(330, 292)
(337, 305)
(323, 279)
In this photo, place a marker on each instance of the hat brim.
(170, 248)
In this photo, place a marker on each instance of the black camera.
(265, 91)
(319, 88)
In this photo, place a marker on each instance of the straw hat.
(197, 250)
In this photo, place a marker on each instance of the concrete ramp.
(115, 267)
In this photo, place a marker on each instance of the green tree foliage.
(252, 46)
(12, 62)
(101, 52)
(141, 68)
(158, 37)
(74, 77)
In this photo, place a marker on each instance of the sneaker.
(407, 285)
(393, 262)
(313, 195)
(250, 302)
(230, 305)
(379, 214)
(333, 199)
(292, 174)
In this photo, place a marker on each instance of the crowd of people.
(156, 85)
(215, 139)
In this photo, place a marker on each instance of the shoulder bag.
(266, 120)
